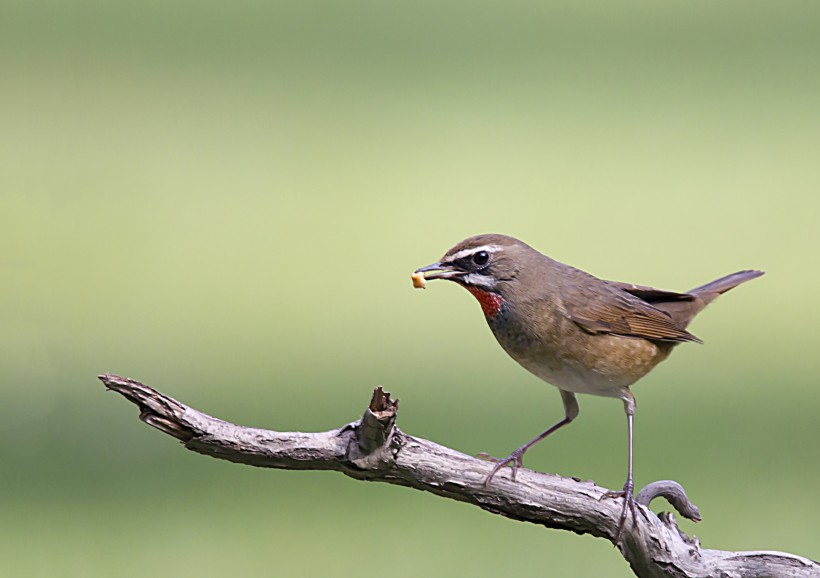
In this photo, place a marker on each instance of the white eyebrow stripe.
(464, 252)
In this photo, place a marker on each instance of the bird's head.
(485, 265)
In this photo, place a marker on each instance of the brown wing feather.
(602, 308)
(651, 294)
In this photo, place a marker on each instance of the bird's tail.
(709, 292)
(684, 307)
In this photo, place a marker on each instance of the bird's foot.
(515, 460)
(629, 506)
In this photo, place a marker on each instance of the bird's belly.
(594, 364)
(581, 380)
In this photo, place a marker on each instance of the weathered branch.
(372, 448)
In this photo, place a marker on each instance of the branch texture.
(372, 448)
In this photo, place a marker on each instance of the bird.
(580, 333)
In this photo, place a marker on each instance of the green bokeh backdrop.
(225, 201)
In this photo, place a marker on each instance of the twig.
(372, 448)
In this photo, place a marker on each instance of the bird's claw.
(515, 460)
(629, 506)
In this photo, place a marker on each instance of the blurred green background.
(225, 201)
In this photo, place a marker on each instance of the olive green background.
(225, 201)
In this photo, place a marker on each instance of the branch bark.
(372, 448)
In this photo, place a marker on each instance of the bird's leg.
(516, 458)
(627, 492)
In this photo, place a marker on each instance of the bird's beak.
(439, 271)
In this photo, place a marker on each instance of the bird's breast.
(556, 350)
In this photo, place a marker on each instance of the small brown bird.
(579, 333)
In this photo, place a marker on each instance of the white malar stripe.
(479, 280)
(465, 252)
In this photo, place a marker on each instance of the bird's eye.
(481, 258)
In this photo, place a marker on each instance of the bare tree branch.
(372, 448)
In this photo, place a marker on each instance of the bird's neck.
(491, 303)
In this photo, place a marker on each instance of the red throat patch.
(490, 302)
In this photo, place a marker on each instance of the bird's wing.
(650, 294)
(601, 307)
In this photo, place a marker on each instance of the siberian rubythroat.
(579, 333)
